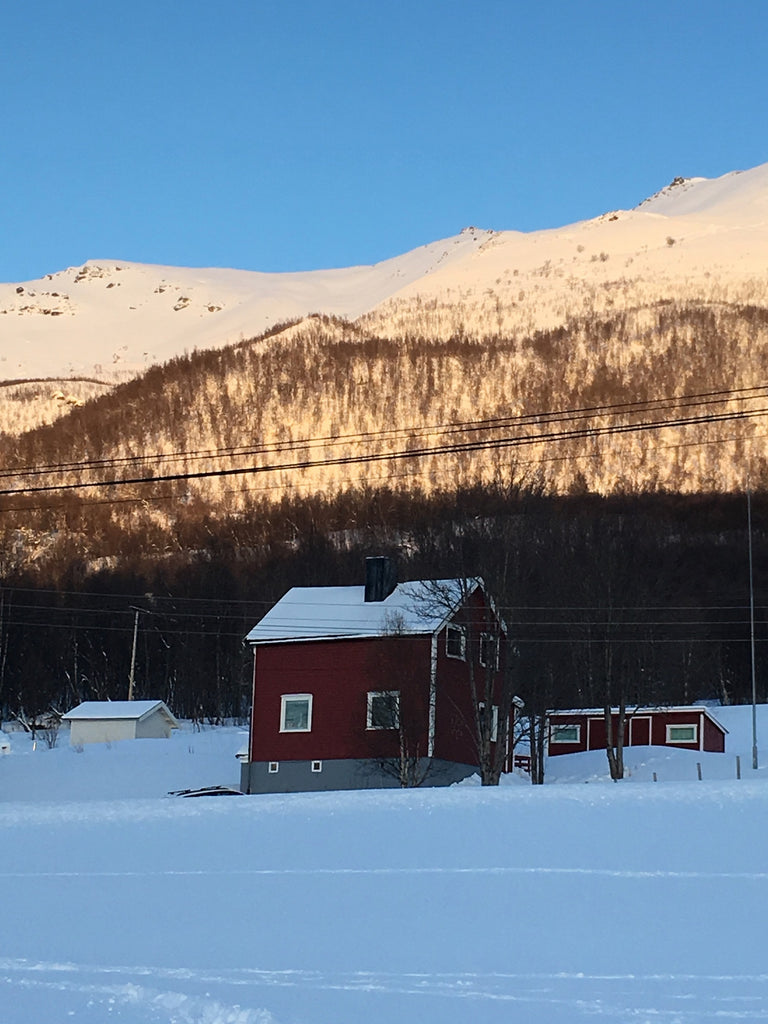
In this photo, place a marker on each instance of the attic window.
(383, 710)
(296, 712)
(489, 651)
(455, 642)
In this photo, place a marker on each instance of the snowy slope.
(740, 197)
(561, 904)
(696, 238)
(112, 319)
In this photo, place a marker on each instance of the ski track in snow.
(143, 992)
(757, 876)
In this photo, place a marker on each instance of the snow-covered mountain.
(696, 239)
(110, 319)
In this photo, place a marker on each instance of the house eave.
(328, 637)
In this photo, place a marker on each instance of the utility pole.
(752, 631)
(133, 651)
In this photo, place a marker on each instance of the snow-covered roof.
(657, 709)
(323, 613)
(93, 710)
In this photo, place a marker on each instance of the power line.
(464, 447)
(394, 433)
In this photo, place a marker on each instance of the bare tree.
(396, 717)
(475, 626)
(388, 711)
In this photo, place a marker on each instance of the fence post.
(698, 769)
(738, 766)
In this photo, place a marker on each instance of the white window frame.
(392, 695)
(316, 766)
(274, 767)
(494, 719)
(288, 698)
(683, 725)
(487, 639)
(559, 727)
(450, 629)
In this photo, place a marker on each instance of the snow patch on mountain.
(112, 319)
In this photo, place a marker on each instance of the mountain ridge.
(152, 313)
(112, 319)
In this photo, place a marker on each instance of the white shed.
(105, 721)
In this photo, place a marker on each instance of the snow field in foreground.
(630, 902)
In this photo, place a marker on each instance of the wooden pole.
(133, 654)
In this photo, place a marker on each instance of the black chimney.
(380, 578)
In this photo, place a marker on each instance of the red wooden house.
(353, 686)
(690, 728)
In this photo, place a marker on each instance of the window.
(489, 651)
(494, 719)
(274, 767)
(682, 734)
(296, 712)
(455, 642)
(565, 734)
(383, 710)
(317, 766)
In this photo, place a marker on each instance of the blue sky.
(299, 134)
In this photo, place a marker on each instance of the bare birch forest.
(593, 472)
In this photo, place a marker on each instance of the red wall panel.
(339, 674)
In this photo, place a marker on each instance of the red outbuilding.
(371, 686)
(690, 728)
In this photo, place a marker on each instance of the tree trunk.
(614, 746)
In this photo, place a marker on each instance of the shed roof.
(96, 710)
(660, 709)
(324, 613)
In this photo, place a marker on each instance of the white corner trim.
(432, 696)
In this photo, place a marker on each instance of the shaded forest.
(643, 597)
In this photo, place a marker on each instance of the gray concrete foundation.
(299, 776)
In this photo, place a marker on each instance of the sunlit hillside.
(622, 355)
(696, 241)
(328, 407)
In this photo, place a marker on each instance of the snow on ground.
(564, 903)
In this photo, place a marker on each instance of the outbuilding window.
(570, 733)
(296, 712)
(383, 709)
(682, 733)
(455, 642)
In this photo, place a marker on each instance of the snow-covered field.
(639, 901)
